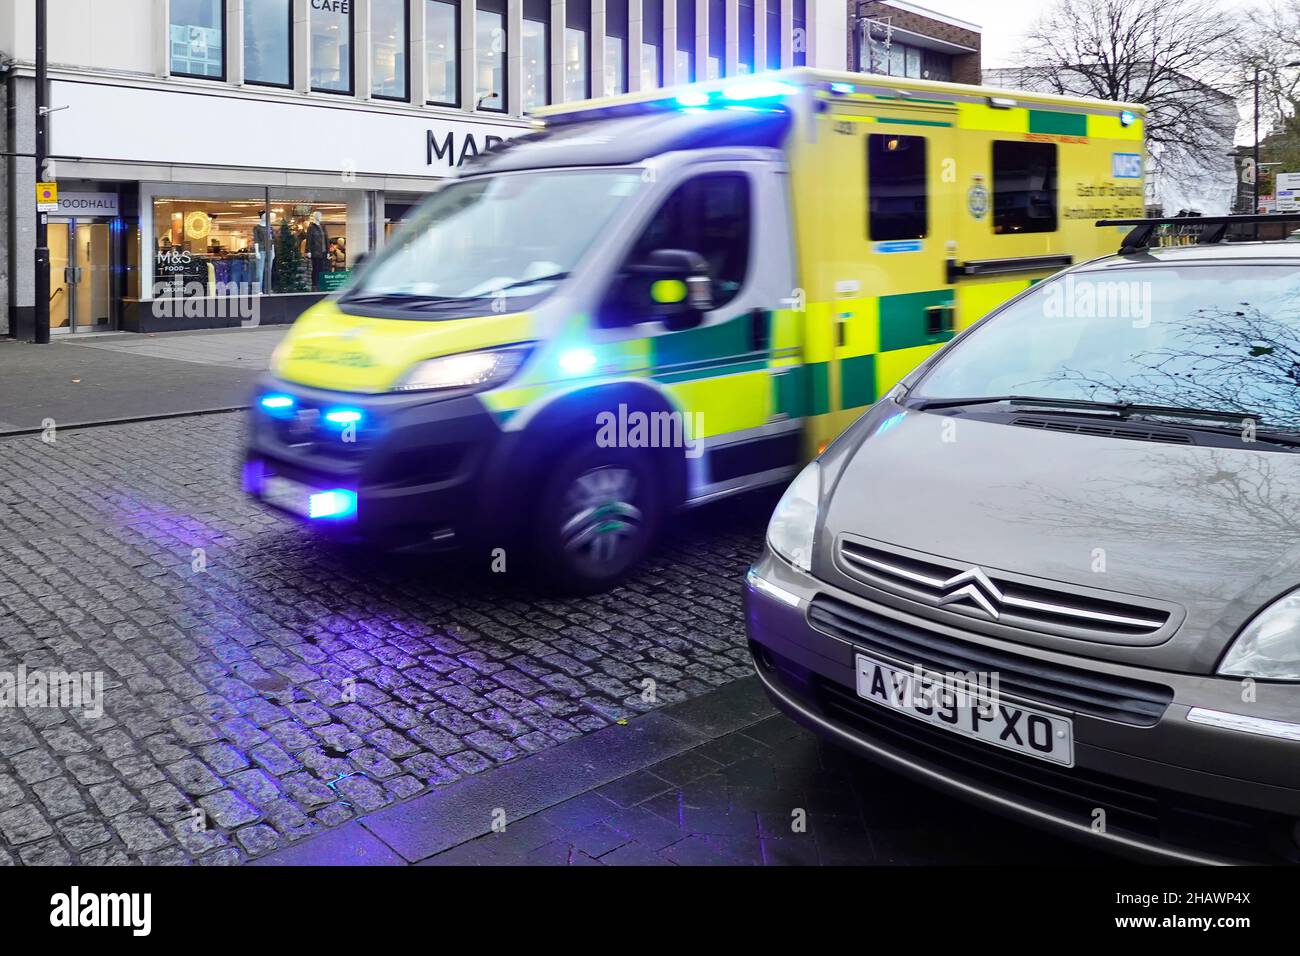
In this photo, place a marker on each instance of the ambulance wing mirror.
(680, 287)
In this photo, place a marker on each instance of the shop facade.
(226, 162)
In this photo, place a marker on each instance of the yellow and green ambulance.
(657, 300)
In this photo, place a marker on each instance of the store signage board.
(47, 197)
(86, 205)
(119, 123)
(1287, 190)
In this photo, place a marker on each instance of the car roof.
(1269, 253)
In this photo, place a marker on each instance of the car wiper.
(392, 298)
(1123, 408)
(926, 404)
(553, 277)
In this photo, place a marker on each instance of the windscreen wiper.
(1123, 408)
(392, 298)
(553, 277)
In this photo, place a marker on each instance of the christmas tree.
(292, 270)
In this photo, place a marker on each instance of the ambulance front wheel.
(600, 512)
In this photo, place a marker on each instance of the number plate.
(292, 496)
(970, 712)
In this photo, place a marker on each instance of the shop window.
(388, 42)
(615, 47)
(652, 39)
(799, 44)
(210, 247)
(197, 37)
(490, 58)
(1024, 187)
(442, 29)
(896, 194)
(577, 51)
(268, 32)
(745, 63)
(536, 52)
(311, 244)
(331, 46)
(710, 215)
(774, 34)
(684, 55)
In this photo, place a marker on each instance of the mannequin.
(264, 258)
(317, 248)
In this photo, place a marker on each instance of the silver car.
(1056, 570)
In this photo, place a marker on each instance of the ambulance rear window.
(1024, 187)
(897, 205)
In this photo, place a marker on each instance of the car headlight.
(477, 370)
(790, 532)
(1269, 646)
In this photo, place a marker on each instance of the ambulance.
(658, 300)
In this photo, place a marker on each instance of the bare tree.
(1176, 57)
(1271, 42)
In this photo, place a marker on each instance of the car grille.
(1106, 430)
(972, 592)
(1122, 699)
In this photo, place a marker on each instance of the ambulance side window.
(709, 214)
(897, 204)
(1024, 187)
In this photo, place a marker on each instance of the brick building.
(903, 39)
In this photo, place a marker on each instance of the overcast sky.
(1005, 21)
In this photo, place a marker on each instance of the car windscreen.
(512, 236)
(1213, 336)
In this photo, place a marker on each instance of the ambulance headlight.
(476, 370)
(790, 532)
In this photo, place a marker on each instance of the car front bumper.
(1178, 790)
(415, 464)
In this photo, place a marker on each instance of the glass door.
(80, 276)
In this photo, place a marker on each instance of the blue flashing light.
(337, 503)
(1127, 118)
(841, 87)
(277, 404)
(692, 99)
(344, 416)
(757, 90)
(577, 361)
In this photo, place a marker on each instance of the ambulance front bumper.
(399, 470)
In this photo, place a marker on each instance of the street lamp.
(1255, 148)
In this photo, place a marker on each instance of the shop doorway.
(81, 270)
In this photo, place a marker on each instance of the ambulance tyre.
(598, 516)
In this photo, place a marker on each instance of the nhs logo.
(1126, 165)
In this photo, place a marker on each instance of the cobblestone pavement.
(261, 686)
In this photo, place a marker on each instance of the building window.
(197, 38)
(684, 55)
(616, 64)
(896, 197)
(799, 38)
(717, 65)
(1024, 187)
(389, 33)
(536, 51)
(268, 50)
(331, 46)
(652, 39)
(490, 59)
(577, 50)
(442, 40)
(745, 61)
(211, 247)
(774, 34)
